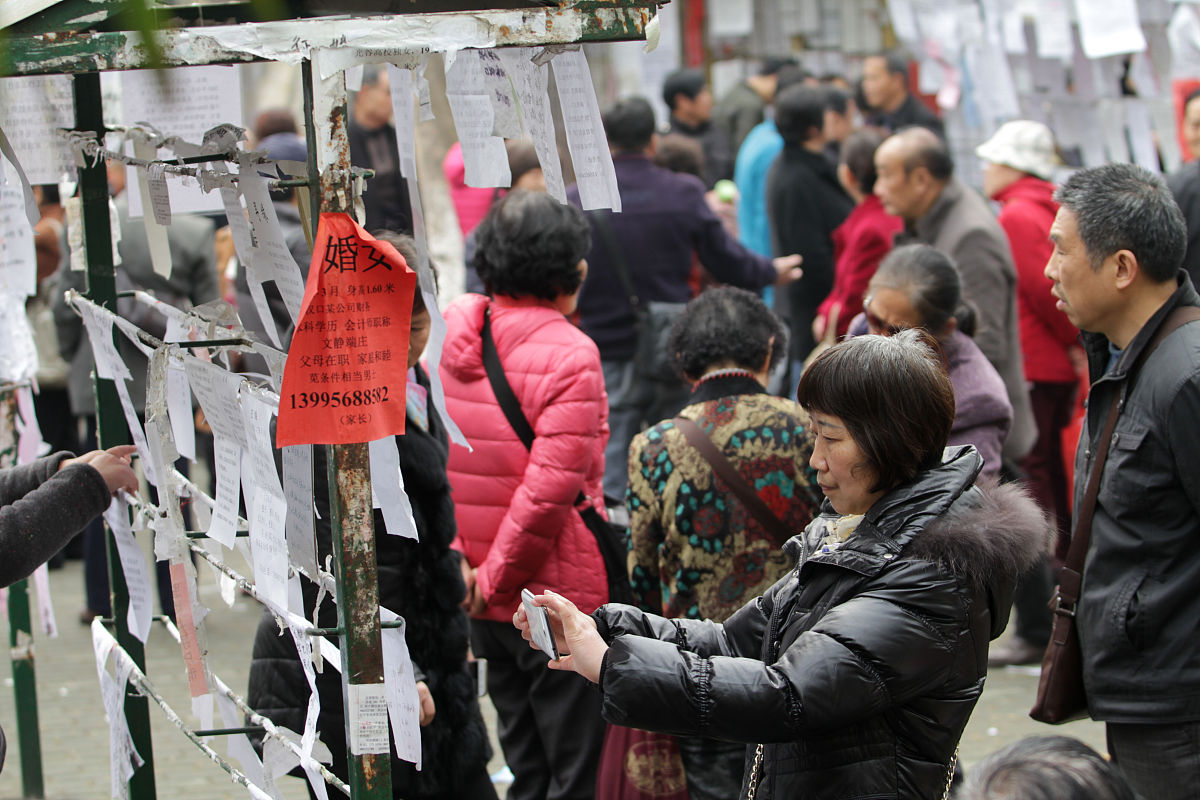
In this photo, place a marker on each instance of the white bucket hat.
(1024, 145)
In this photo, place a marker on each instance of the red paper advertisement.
(345, 377)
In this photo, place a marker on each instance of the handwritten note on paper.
(470, 97)
(179, 409)
(507, 120)
(31, 109)
(193, 657)
(594, 171)
(387, 487)
(123, 756)
(343, 382)
(298, 492)
(404, 706)
(531, 82)
(133, 565)
(268, 508)
(182, 102)
(269, 257)
(216, 390)
(367, 718)
(308, 737)
(1109, 28)
(18, 256)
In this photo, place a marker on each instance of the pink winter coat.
(515, 509)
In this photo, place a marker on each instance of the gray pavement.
(74, 734)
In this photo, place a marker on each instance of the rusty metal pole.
(349, 475)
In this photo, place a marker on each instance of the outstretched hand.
(575, 635)
(787, 268)
(113, 465)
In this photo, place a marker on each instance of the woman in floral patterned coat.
(696, 552)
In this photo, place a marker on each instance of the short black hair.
(629, 125)
(1046, 768)
(686, 82)
(406, 245)
(839, 99)
(894, 397)
(896, 61)
(680, 153)
(798, 110)
(928, 150)
(858, 154)
(1127, 207)
(726, 324)
(790, 75)
(529, 245)
(772, 64)
(372, 73)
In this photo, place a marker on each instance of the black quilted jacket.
(859, 669)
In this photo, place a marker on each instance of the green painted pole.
(20, 635)
(349, 466)
(110, 421)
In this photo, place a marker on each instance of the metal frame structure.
(82, 38)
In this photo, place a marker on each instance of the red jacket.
(515, 509)
(859, 244)
(1027, 212)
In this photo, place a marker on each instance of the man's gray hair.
(1045, 768)
(1127, 207)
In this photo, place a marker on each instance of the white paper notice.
(387, 487)
(507, 124)
(133, 565)
(239, 747)
(182, 102)
(594, 171)
(1053, 25)
(1109, 28)
(269, 257)
(18, 256)
(268, 508)
(31, 109)
(217, 391)
(123, 757)
(1141, 134)
(531, 83)
(404, 706)
(367, 718)
(298, 491)
(470, 97)
(156, 234)
(41, 584)
(179, 409)
(731, 18)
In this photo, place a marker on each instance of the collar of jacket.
(1096, 344)
(724, 386)
(927, 226)
(679, 126)
(898, 516)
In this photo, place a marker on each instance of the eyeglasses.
(877, 326)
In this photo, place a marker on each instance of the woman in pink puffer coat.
(517, 523)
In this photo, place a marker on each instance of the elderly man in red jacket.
(1019, 160)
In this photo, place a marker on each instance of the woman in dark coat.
(855, 674)
(422, 582)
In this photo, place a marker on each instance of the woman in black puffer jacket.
(855, 674)
(421, 581)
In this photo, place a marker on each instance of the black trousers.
(1160, 761)
(549, 722)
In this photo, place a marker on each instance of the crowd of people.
(819, 386)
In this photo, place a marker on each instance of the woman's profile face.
(418, 336)
(843, 472)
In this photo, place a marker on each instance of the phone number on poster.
(349, 399)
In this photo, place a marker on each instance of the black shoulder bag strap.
(612, 550)
(604, 227)
(737, 484)
(1071, 577)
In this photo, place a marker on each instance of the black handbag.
(610, 539)
(1060, 692)
(652, 357)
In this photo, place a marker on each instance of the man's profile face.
(895, 184)
(1191, 127)
(1081, 291)
(694, 110)
(880, 87)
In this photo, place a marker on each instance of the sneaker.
(1015, 651)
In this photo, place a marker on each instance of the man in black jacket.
(805, 203)
(885, 87)
(1119, 241)
(373, 146)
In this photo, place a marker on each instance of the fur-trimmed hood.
(985, 532)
